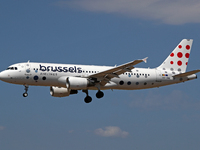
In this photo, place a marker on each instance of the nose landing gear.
(25, 94)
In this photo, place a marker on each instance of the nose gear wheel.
(25, 94)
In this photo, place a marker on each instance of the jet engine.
(61, 92)
(74, 83)
(77, 83)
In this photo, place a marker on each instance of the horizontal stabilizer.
(187, 73)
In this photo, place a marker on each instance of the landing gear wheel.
(99, 94)
(88, 99)
(25, 94)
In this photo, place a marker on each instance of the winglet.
(145, 59)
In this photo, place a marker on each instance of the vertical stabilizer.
(178, 59)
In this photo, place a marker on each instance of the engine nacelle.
(59, 91)
(77, 83)
(73, 83)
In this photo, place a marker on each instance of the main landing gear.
(99, 94)
(25, 94)
(88, 98)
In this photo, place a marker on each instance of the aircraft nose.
(3, 75)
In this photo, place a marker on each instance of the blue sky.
(99, 32)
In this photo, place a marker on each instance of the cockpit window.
(11, 68)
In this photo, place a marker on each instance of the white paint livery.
(66, 79)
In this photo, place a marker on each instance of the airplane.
(68, 79)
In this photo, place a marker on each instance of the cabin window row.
(140, 74)
(137, 74)
(90, 71)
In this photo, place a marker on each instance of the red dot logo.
(171, 62)
(187, 55)
(172, 54)
(187, 47)
(186, 63)
(179, 63)
(180, 46)
(180, 54)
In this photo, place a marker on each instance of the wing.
(105, 76)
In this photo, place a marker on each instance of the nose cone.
(4, 76)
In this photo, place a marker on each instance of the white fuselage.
(67, 79)
(48, 74)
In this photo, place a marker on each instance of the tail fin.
(178, 59)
